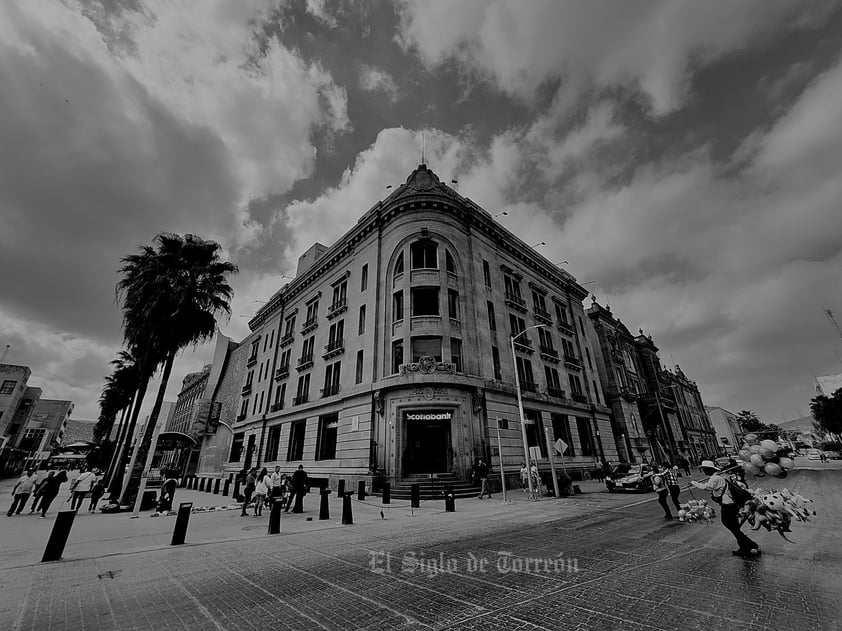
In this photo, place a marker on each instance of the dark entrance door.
(427, 446)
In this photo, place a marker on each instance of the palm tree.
(117, 395)
(171, 295)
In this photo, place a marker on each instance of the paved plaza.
(595, 561)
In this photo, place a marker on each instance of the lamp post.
(520, 407)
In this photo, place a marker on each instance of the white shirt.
(262, 487)
(276, 479)
(718, 486)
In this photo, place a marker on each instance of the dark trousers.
(675, 490)
(46, 500)
(35, 500)
(296, 500)
(731, 520)
(18, 503)
(662, 500)
(246, 499)
(78, 499)
(95, 501)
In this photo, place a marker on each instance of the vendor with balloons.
(721, 492)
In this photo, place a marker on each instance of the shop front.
(428, 444)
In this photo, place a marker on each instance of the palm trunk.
(119, 470)
(130, 490)
(121, 437)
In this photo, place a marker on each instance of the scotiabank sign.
(429, 415)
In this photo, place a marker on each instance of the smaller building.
(13, 381)
(727, 428)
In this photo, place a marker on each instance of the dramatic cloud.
(376, 80)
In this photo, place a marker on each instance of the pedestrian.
(482, 474)
(670, 475)
(277, 477)
(536, 478)
(97, 491)
(731, 497)
(659, 485)
(22, 491)
(606, 468)
(36, 494)
(261, 490)
(81, 487)
(248, 490)
(524, 477)
(50, 490)
(299, 490)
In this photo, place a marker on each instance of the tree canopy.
(827, 412)
(750, 423)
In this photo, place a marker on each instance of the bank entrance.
(428, 448)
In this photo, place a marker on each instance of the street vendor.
(723, 492)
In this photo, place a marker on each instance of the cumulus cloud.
(377, 80)
(647, 45)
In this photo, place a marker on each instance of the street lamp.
(520, 409)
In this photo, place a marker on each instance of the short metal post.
(275, 516)
(387, 492)
(415, 495)
(449, 500)
(361, 490)
(181, 520)
(341, 490)
(58, 536)
(236, 495)
(202, 484)
(226, 488)
(216, 486)
(347, 511)
(324, 507)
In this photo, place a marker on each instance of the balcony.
(567, 328)
(558, 393)
(286, 340)
(251, 361)
(579, 398)
(529, 386)
(627, 394)
(330, 390)
(524, 345)
(548, 353)
(301, 399)
(340, 306)
(571, 361)
(282, 372)
(246, 389)
(277, 406)
(334, 348)
(543, 316)
(515, 302)
(304, 362)
(310, 325)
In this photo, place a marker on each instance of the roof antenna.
(423, 147)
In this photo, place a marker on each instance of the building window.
(336, 336)
(295, 451)
(272, 339)
(561, 313)
(585, 436)
(561, 429)
(595, 392)
(399, 265)
(273, 442)
(449, 263)
(8, 386)
(328, 428)
(425, 301)
(302, 393)
(312, 313)
(331, 380)
(359, 372)
(456, 353)
(512, 288)
(280, 395)
(254, 406)
(581, 325)
(361, 325)
(453, 304)
(546, 340)
(492, 320)
(553, 383)
(495, 358)
(538, 303)
(424, 255)
(575, 384)
(588, 353)
(426, 347)
(569, 349)
(244, 409)
(265, 342)
(307, 350)
(284, 367)
(517, 326)
(486, 273)
(397, 306)
(397, 356)
(524, 373)
(535, 436)
(340, 295)
(260, 407)
(289, 327)
(364, 277)
(236, 447)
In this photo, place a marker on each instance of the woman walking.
(50, 490)
(261, 490)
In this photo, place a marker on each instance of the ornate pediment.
(427, 365)
(422, 181)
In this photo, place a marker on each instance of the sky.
(685, 156)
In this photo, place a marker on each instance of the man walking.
(21, 492)
(251, 480)
(276, 489)
(81, 487)
(659, 485)
(670, 475)
(299, 489)
(482, 474)
(50, 490)
(36, 494)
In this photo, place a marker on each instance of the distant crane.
(5, 351)
(832, 319)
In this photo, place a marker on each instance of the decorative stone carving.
(378, 402)
(477, 399)
(427, 365)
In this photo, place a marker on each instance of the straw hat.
(708, 464)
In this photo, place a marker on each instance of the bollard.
(216, 486)
(202, 483)
(181, 520)
(387, 492)
(275, 516)
(347, 511)
(184, 481)
(449, 501)
(361, 490)
(324, 508)
(236, 495)
(58, 536)
(341, 491)
(194, 482)
(226, 488)
(415, 495)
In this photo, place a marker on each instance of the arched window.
(424, 255)
(449, 263)
(399, 265)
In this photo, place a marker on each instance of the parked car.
(814, 454)
(629, 477)
(833, 455)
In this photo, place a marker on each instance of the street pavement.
(595, 561)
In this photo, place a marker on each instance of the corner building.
(389, 355)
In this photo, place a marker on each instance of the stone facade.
(12, 388)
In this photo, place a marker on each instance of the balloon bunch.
(696, 511)
(774, 510)
(765, 457)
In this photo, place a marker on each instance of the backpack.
(739, 493)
